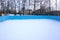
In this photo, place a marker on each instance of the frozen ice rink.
(30, 29)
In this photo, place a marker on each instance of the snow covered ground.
(38, 29)
(10, 15)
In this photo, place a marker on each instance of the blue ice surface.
(3, 18)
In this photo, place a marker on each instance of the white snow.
(10, 15)
(33, 29)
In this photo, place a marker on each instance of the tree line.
(10, 6)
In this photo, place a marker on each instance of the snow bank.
(39, 29)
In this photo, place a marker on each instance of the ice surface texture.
(30, 29)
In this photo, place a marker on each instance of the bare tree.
(2, 5)
(56, 5)
(34, 4)
(15, 8)
(44, 3)
(19, 4)
(8, 5)
(24, 4)
(1, 8)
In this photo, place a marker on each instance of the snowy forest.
(30, 7)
